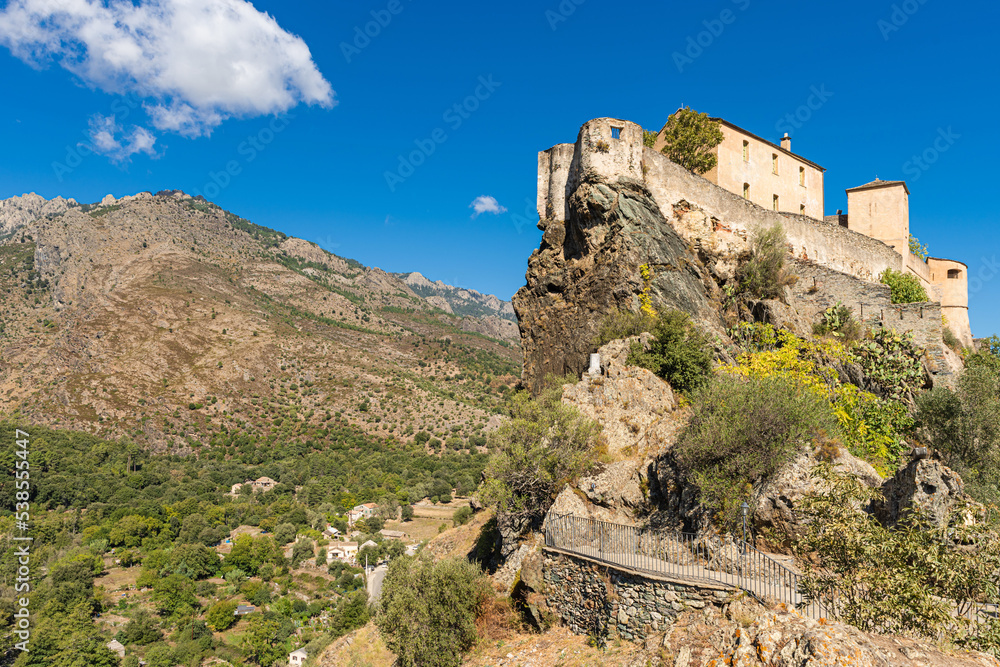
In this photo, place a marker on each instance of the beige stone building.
(768, 174)
(871, 237)
(881, 210)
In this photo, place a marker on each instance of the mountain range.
(166, 319)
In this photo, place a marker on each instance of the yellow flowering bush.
(870, 426)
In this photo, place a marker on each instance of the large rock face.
(589, 265)
(637, 409)
(924, 485)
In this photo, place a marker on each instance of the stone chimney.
(786, 142)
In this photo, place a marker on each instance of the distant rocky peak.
(459, 300)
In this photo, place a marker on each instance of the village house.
(297, 658)
(259, 485)
(392, 534)
(365, 511)
(344, 551)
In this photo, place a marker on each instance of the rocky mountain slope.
(167, 319)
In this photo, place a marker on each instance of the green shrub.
(907, 580)
(141, 629)
(542, 447)
(221, 615)
(679, 353)
(950, 339)
(428, 610)
(965, 427)
(917, 248)
(743, 432)
(892, 360)
(620, 324)
(763, 276)
(903, 287)
(462, 516)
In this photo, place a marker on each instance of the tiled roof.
(879, 184)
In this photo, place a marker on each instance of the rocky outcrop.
(774, 512)
(17, 212)
(926, 486)
(744, 634)
(775, 516)
(458, 300)
(636, 409)
(589, 265)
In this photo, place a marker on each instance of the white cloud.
(198, 62)
(486, 204)
(109, 138)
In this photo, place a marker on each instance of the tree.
(174, 596)
(302, 550)
(690, 139)
(284, 533)
(903, 287)
(912, 579)
(141, 629)
(407, 512)
(221, 615)
(263, 641)
(542, 447)
(964, 426)
(428, 610)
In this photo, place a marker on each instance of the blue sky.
(894, 77)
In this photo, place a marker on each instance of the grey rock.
(923, 485)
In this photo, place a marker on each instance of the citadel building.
(775, 185)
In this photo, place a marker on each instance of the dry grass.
(556, 648)
(362, 648)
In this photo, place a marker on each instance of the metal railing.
(682, 556)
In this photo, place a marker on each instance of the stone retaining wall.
(597, 600)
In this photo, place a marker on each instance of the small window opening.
(954, 273)
(802, 176)
(746, 191)
(746, 151)
(616, 133)
(775, 202)
(774, 163)
(802, 209)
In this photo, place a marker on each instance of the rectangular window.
(802, 209)
(616, 133)
(746, 151)
(775, 201)
(774, 163)
(746, 191)
(802, 176)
